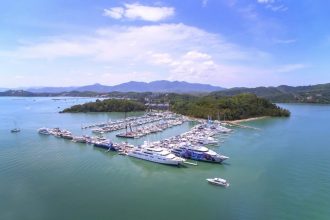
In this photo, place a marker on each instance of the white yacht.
(206, 140)
(44, 131)
(66, 135)
(78, 139)
(197, 153)
(218, 181)
(156, 154)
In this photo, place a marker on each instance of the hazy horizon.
(36, 87)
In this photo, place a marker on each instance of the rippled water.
(278, 172)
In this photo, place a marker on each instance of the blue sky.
(228, 43)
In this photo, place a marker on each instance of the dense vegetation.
(217, 104)
(281, 94)
(108, 105)
(229, 108)
(300, 94)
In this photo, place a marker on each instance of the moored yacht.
(156, 154)
(44, 131)
(197, 153)
(206, 140)
(79, 139)
(105, 144)
(66, 135)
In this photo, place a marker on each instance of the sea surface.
(281, 171)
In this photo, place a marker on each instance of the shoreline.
(233, 121)
(248, 119)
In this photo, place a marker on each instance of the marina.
(189, 145)
(174, 150)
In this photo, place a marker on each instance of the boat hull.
(105, 146)
(217, 183)
(199, 157)
(156, 160)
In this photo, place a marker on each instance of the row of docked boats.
(144, 152)
(97, 141)
(151, 128)
(191, 145)
(148, 118)
(173, 151)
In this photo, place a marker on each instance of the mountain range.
(132, 86)
(310, 94)
(281, 94)
(3, 89)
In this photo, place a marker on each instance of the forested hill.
(303, 94)
(229, 108)
(281, 94)
(108, 105)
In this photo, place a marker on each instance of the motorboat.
(218, 182)
(44, 131)
(15, 130)
(78, 139)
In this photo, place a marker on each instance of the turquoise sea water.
(281, 171)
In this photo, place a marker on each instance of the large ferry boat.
(156, 154)
(197, 153)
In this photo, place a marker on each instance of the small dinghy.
(218, 182)
(15, 130)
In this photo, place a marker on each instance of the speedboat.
(218, 182)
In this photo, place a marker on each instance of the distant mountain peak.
(135, 86)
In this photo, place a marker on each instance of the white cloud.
(117, 43)
(204, 3)
(285, 41)
(140, 12)
(275, 8)
(273, 5)
(196, 66)
(116, 12)
(164, 51)
(291, 67)
(265, 1)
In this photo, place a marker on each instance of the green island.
(240, 106)
(108, 105)
(237, 107)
